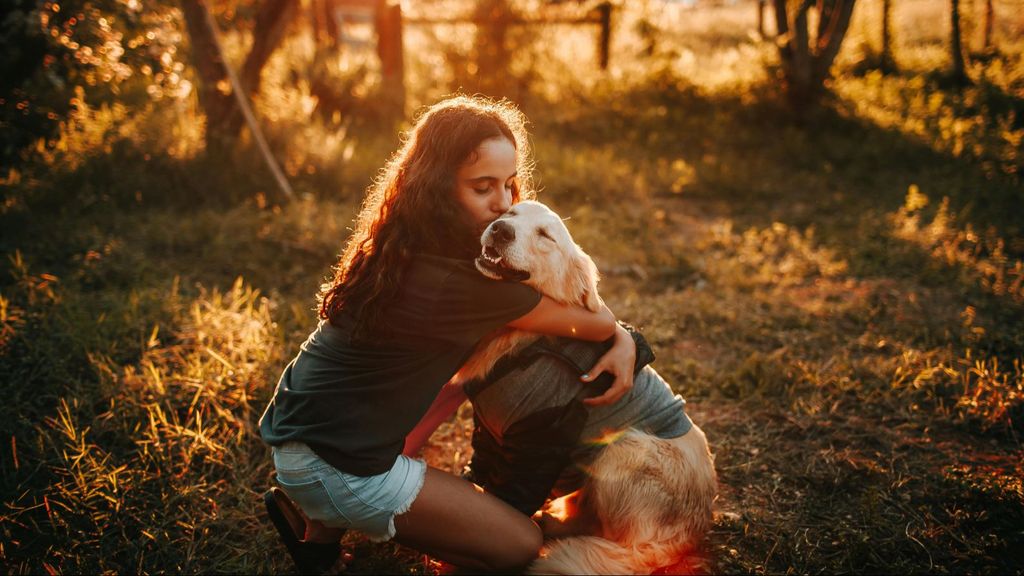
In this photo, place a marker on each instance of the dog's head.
(531, 244)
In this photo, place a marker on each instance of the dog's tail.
(595, 555)
(585, 555)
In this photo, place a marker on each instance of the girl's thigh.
(458, 522)
(368, 504)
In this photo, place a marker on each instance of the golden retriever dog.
(646, 501)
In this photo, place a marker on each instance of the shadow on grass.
(860, 492)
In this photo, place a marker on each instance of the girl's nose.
(502, 201)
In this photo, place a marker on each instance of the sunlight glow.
(558, 509)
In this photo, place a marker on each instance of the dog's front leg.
(569, 515)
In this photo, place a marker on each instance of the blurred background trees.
(807, 57)
(57, 56)
(347, 62)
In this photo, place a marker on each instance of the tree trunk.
(825, 21)
(829, 46)
(272, 21)
(989, 18)
(223, 118)
(214, 88)
(491, 46)
(802, 87)
(959, 67)
(392, 55)
(888, 63)
(806, 64)
(782, 26)
(760, 18)
(325, 29)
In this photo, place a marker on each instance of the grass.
(839, 296)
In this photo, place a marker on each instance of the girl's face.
(484, 187)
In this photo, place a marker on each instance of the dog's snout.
(503, 232)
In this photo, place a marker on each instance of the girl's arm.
(550, 317)
(446, 403)
(547, 317)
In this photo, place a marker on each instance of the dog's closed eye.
(543, 233)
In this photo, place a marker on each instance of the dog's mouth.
(492, 264)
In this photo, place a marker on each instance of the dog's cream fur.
(557, 267)
(650, 498)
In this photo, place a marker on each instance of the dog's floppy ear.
(584, 278)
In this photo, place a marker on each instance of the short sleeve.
(470, 305)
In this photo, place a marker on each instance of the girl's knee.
(518, 549)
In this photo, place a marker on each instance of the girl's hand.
(619, 361)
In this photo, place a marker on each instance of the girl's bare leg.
(317, 532)
(455, 521)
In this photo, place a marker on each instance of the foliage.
(59, 56)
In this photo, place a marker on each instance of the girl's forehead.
(495, 157)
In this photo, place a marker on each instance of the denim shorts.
(368, 504)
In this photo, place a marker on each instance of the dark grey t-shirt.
(355, 404)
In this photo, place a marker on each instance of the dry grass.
(840, 299)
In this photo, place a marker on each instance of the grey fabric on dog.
(533, 433)
(650, 406)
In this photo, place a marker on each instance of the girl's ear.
(584, 277)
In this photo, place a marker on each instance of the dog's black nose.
(503, 232)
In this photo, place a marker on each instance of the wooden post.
(888, 63)
(760, 18)
(489, 73)
(604, 11)
(959, 67)
(389, 48)
(325, 29)
(989, 17)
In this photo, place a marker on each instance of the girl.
(404, 310)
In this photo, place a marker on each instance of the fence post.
(604, 11)
(760, 17)
(389, 49)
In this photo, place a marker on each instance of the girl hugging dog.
(414, 301)
(404, 311)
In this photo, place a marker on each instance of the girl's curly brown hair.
(411, 207)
